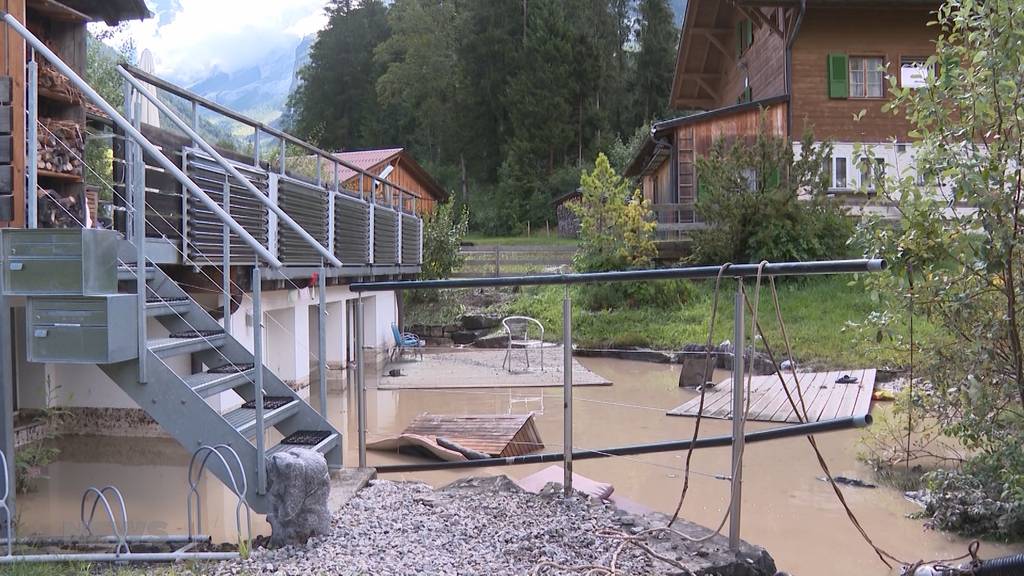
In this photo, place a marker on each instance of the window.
(866, 76)
(839, 174)
(744, 36)
(836, 169)
(914, 72)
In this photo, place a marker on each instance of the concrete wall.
(289, 322)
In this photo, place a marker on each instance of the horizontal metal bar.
(110, 557)
(693, 272)
(672, 446)
(130, 539)
(213, 106)
(282, 216)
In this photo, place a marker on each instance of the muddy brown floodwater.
(786, 508)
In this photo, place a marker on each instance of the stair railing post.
(360, 384)
(226, 243)
(257, 353)
(32, 145)
(7, 403)
(566, 389)
(739, 348)
(322, 336)
(138, 184)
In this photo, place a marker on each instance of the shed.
(568, 221)
(406, 172)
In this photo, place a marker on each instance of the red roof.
(364, 159)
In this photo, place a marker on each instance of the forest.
(503, 101)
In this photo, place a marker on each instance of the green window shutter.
(739, 39)
(748, 34)
(838, 75)
(773, 178)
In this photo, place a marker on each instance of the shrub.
(762, 202)
(616, 231)
(659, 294)
(443, 232)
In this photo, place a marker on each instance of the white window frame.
(860, 81)
(844, 183)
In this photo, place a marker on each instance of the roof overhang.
(657, 146)
(110, 11)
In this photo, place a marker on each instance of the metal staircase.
(93, 297)
(179, 402)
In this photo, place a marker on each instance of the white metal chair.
(518, 329)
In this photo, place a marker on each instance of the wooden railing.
(497, 261)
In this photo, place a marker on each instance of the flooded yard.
(786, 508)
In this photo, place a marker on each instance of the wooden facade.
(744, 60)
(902, 33)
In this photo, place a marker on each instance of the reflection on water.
(785, 508)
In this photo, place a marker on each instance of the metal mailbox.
(82, 330)
(74, 262)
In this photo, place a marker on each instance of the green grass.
(100, 569)
(816, 312)
(536, 239)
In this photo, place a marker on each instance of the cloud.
(192, 38)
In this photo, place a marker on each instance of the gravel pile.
(474, 526)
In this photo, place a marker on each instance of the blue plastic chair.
(406, 341)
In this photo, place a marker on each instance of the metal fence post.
(567, 390)
(7, 403)
(322, 333)
(226, 257)
(257, 352)
(138, 183)
(360, 384)
(739, 348)
(32, 146)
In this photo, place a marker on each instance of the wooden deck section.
(824, 397)
(494, 434)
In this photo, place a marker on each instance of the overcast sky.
(190, 38)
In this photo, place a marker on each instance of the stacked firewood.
(61, 146)
(53, 81)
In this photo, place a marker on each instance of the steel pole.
(360, 384)
(736, 492)
(322, 333)
(32, 146)
(567, 390)
(138, 180)
(257, 352)
(226, 239)
(7, 408)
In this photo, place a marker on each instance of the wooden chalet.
(405, 171)
(810, 64)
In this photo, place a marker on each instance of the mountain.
(257, 91)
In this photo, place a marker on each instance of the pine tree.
(335, 105)
(657, 37)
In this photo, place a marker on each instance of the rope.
(703, 391)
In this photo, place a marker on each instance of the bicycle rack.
(112, 502)
(206, 451)
(100, 496)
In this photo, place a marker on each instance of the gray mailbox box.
(82, 330)
(75, 262)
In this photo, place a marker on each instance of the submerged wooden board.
(824, 398)
(495, 434)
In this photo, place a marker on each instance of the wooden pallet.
(494, 434)
(824, 398)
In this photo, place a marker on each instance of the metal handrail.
(141, 140)
(227, 166)
(261, 127)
